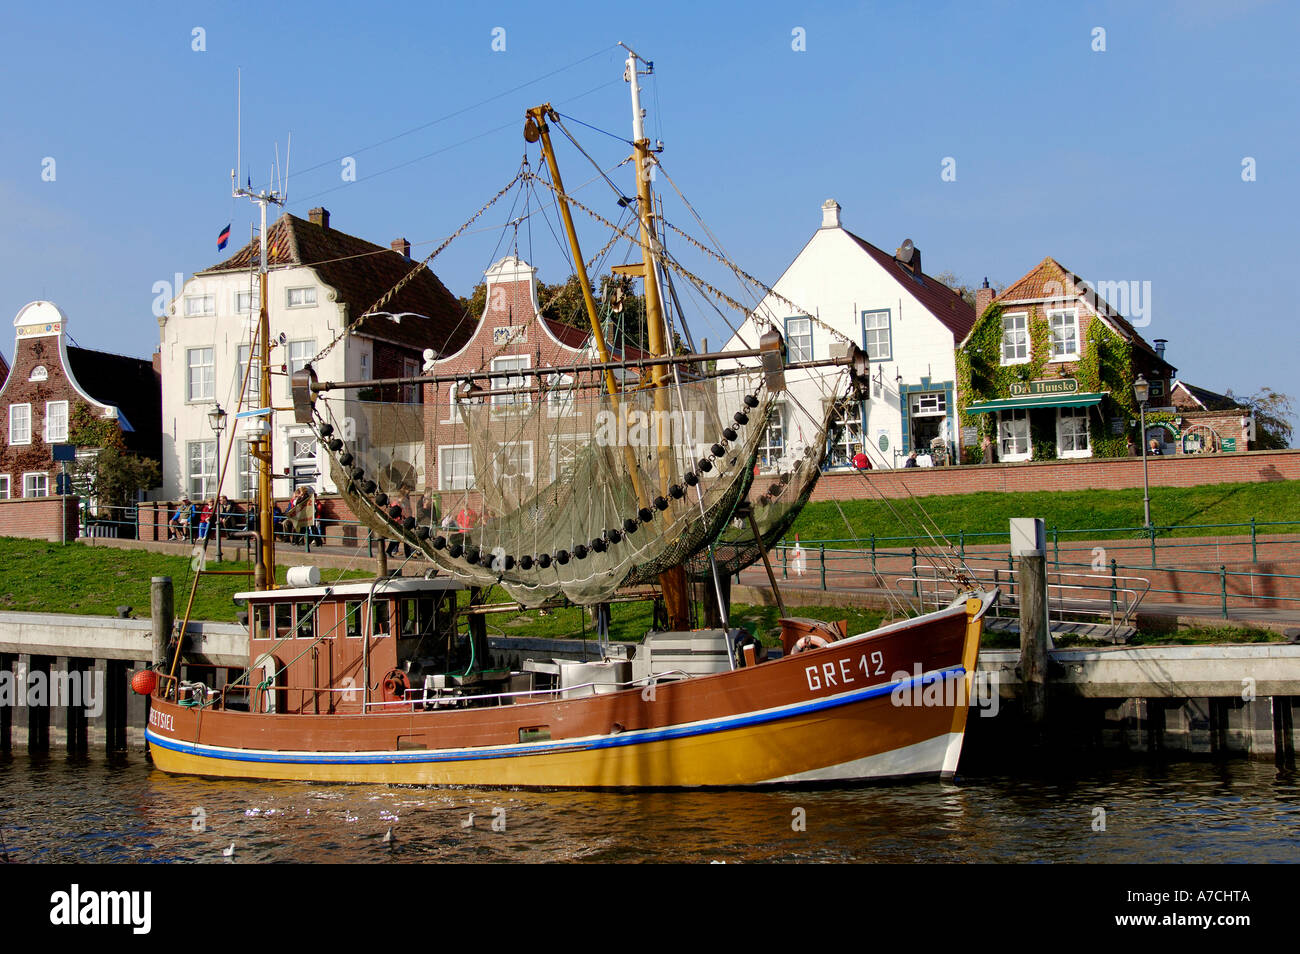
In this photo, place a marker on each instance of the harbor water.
(91, 809)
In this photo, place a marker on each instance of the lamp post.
(1142, 391)
(217, 418)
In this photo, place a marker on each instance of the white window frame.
(852, 439)
(253, 389)
(297, 357)
(446, 479)
(503, 472)
(560, 403)
(1008, 427)
(52, 436)
(502, 378)
(246, 297)
(307, 296)
(206, 485)
(772, 442)
(1025, 343)
(246, 464)
(887, 352)
(411, 393)
(200, 306)
(796, 348)
(23, 435)
(565, 449)
(45, 484)
(1052, 315)
(929, 404)
(210, 378)
(1076, 416)
(4, 486)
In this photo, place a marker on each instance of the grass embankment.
(39, 577)
(1184, 510)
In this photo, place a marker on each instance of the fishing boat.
(658, 488)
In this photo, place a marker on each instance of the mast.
(673, 581)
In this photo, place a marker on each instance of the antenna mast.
(261, 448)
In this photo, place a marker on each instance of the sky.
(1144, 143)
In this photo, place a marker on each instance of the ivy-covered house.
(1047, 371)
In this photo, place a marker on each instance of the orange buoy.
(144, 681)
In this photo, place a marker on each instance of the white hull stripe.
(634, 737)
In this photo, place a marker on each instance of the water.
(90, 810)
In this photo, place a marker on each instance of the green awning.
(1036, 400)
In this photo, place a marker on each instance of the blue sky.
(1125, 165)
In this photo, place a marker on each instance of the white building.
(908, 323)
(319, 280)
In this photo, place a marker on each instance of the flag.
(223, 238)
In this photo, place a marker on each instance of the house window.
(197, 306)
(930, 404)
(56, 422)
(203, 468)
(250, 379)
(771, 446)
(1157, 389)
(4, 486)
(455, 468)
(1072, 432)
(301, 297)
(201, 374)
(243, 302)
(512, 465)
(20, 423)
(1013, 435)
(247, 471)
(847, 442)
(559, 402)
(300, 354)
(565, 453)
(511, 363)
(875, 335)
(36, 485)
(1015, 338)
(411, 393)
(1064, 328)
(798, 339)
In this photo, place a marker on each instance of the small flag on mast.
(223, 238)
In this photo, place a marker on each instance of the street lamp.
(1142, 391)
(217, 418)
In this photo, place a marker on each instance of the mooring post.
(162, 612)
(1028, 543)
(38, 703)
(80, 673)
(7, 661)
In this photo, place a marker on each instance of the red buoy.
(144, 681)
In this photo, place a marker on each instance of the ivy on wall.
(1105, 366)
(87, 430)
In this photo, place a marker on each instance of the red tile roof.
(362, 273)
(957, 315)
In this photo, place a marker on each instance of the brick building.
(1047, 371)
(52, 386)
(1208, 422)
(319, 280)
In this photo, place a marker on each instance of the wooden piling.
(162, 612)
(76, 722)
(1033, 635)
(7, 661)
(38, 703)
(115, 690)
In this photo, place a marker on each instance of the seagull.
(388, 837)
(228, 852)
(469, 822)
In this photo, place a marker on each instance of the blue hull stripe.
(545, 748)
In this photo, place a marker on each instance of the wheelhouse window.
(352, 618)
(1072, 432)
(20, 423)
(379, 618)
(798, 339)
(1013, 435)
(1015, 338)
(283, 620)
(200, 374)
(262, 621)
(306, 627)
(875, 335)
(1064, 328)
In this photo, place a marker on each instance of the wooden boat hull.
(887, 704)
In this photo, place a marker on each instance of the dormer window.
(301, 297)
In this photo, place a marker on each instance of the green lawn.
(1182, 508)
(41, 577)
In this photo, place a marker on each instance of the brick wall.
(38, 518)
(1098, 474)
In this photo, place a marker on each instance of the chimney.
(1159, 344)
(830, 214)
(401, 246)
(320, 216)
(983, 298)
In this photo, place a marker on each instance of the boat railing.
(432, 700)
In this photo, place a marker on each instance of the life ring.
(395, 684)
(809, 642)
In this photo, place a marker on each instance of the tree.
(112, 477)
(966, 291)
(1274, 413)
